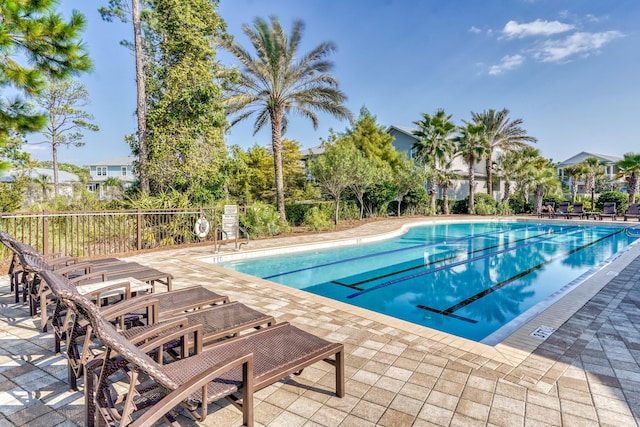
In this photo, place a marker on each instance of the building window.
(101, 171)
(123, 171)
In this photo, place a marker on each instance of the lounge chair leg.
(340, 373)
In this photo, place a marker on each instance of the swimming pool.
(467, 279)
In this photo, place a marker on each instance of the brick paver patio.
(398, 374)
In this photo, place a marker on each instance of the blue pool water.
(467, 279)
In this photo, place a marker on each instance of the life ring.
(201, 229)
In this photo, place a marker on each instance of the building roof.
(313, 151)
(115, 161)
(584, 155)
(403, 129)
(63, 177)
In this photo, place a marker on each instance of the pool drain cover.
(543, 332)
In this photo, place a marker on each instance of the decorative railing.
(99, 233)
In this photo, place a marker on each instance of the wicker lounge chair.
(276, 351)
(578, 210)
(608, 210)
(548, 209)
(563, 209)
(633, 211)
(39, 293)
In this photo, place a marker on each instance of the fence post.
(45, 233)
(139, 230)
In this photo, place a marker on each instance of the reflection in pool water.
(468, 279)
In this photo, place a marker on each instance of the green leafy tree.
(407, 176)
(63, 102)
(32, 33)
(293, 175)
(278, 82)
(629, 169)
(445, 176)
(367, 173)
(501, 133)
(44, 184)
(372, 139)
(435, 145)
(472, 147)
(333, 171)
(543, 178)
(185, 117)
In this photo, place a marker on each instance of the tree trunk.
(141, 109)
(507, 190)
(489, 175)
(633, 187)
(337, 213)
(445, 199)
(472, 185)
(574, 189)
(54, 152)
(399, 204)
(276, 142)
(432, 194)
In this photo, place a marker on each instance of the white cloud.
(508, 62)
(513, 29)
(475, 29)
(579, 43)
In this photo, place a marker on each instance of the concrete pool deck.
(397, 374)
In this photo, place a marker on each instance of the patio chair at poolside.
(633, 211)
(578, 211)
(608, 210)
(563, 209)
(548, 209)
(39, 294)
(276, 352)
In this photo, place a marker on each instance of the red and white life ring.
(201, 229)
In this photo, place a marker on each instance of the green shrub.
(621, 200)
(262, 220)
(318, 220)
(504, 208)
(484, 205)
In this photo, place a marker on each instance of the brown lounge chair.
(39, 294)
(608, 210)
(563, 209)
(196, 304)
(209, 375)
(633, 211)
(547, 209)
(578, 210)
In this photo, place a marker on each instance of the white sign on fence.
(230, 221)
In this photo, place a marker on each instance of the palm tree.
(472, 147)
(501, 133)
(593, 169)
(435, 145)
(445, 177)
(578, 173)
(44, 182)
(629, 168)
(276, 83)
(544, 180)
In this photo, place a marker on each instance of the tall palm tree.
(435, 145)
(593, 169)
(501, 133)
(629, 168)
(472, 147)
(278, 82)
(444, 178)
(544, 180)
(578, 173)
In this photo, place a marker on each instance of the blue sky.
(569, 68)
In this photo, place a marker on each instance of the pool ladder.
(238, 245)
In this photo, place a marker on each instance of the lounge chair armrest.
(79, 267)
(163, 328)
(99, 291)
(138, 303)
(180, 334)
(121, 309)
(89, 276)
(199, 382)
